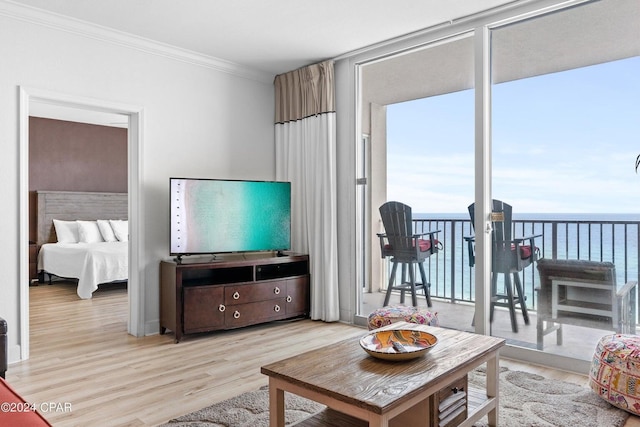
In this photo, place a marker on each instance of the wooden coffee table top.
(344, 371)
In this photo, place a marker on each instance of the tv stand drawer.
(255, 312)
(297, 298)
(202, 308)
(242, 294)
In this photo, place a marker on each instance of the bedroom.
(71, 156)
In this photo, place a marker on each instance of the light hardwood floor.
(81, 355)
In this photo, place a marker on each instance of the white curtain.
(306, 156)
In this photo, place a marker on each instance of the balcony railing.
(453, 279)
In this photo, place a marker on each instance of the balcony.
(452, 279)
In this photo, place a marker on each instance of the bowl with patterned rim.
(398, 344)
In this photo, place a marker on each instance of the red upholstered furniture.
(14, 411)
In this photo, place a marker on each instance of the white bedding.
(90, 263)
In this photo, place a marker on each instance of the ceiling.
(271, 36)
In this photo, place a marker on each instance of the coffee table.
(361, 390)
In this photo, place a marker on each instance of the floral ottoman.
(395, 313)
(615, 371)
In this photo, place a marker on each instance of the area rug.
(525, 400)
(249, 409)
(532, 400)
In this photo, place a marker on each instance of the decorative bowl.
(398, 344)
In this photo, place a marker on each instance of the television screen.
(210, 216)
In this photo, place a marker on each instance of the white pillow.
(67, 231)
(106, 230)
(88, 232)
(120, 229)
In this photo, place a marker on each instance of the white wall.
(199, 122)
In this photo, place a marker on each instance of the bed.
(71, 237)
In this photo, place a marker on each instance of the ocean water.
(598, 237)
(543, 216)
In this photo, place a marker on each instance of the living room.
(216, 121)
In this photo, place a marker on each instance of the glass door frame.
(481, 25)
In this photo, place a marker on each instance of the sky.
(564, 142)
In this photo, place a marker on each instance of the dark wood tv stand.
(232, 291)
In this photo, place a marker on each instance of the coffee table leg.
(493, 381)
(276, 405)
(379, 421)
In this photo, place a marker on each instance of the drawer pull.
(221, 308)
(276, 290)
(236, 295)
(289, 299)
(276, 308)
(456, 389)
(236, 314)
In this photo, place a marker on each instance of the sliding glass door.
(565, 130)
(417, 110)
(552, 131)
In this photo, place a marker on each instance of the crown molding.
(81, 28)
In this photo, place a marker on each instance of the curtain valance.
(305, 92)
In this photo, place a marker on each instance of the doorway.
(29, 97)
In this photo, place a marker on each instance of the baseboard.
(14, 354)
(152, 327)
(359, 320)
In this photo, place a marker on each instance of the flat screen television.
(210, 216)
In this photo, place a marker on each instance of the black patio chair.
(407, 248)
(509, 257)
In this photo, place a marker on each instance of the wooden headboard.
(73, 205)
